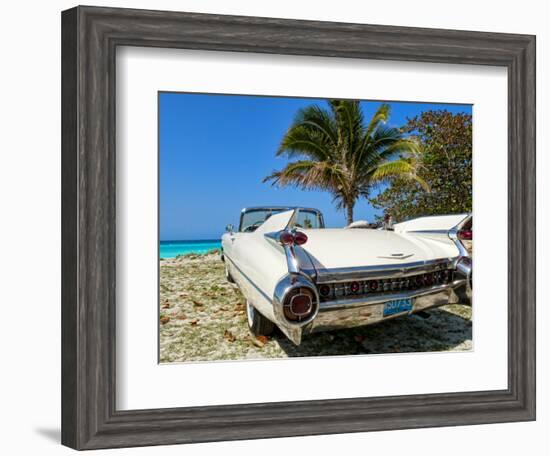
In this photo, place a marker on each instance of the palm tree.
(337, 152)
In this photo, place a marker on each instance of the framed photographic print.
(272, 223)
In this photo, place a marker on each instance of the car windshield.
(253, 218)
(307, 219)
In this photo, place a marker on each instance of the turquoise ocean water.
(171, 249)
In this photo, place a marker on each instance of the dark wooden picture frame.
(90, 36)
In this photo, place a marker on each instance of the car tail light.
(300, 238)
(465, 235)
(286, 238)
(299, 304)
(353, 289)
(291, 238)
(324, 290)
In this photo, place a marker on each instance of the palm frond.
(384, 135)
(303, 141)
(307, 175)
(404, 147)
(374, 135)
(397, 169)
(389, 148)
(318, 119)
(350, 121)
(381, 115)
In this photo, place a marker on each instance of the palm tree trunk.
(349, 208)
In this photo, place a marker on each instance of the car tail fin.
(276, 222)
(431, 223)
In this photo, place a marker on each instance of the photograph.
(300, 227)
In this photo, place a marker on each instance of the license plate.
(397, 306)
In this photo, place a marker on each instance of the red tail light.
(465, 235)
(290, 238)
(300, 238)
(286, 238)
(299, 304)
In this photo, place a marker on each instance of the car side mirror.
(229, 228)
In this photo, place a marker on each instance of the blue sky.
(214, 151)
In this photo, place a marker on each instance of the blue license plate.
(397, 306)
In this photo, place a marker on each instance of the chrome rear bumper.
(365, 310)
(349, 314)
(352, 311)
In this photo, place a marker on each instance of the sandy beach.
(202, 318)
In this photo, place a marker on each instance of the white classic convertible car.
(302, 277)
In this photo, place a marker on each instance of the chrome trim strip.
(291, 260)
(277, 208)
(258, 289)
(292, 263)
(367, 300)
(381, 271)
(464, 271)
(426, 232)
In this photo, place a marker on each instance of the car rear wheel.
(257, 323)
